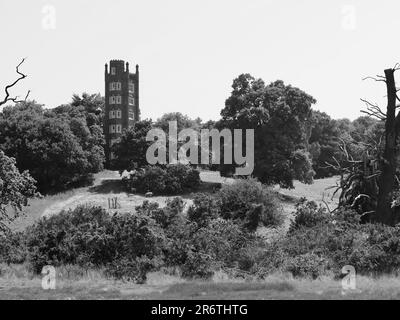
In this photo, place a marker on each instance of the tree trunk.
(384, 212)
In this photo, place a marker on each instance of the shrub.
(201, 249)
(251, 203)
(308, 214)
(89, 236)
(204, 209)
(12, 247)
(306, 265)
(133, 269)
(79, 236)
(169, 179)
(198, 265)
(320, 243)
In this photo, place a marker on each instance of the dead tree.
(8, 98)
(358, 180)
(387, 179)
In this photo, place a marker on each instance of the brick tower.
(121, 102)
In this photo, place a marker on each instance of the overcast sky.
(190, 51)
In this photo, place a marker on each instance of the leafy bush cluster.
(129, 245)
(249, 201)
(320, 242)
(90, 237)
(207, 239)
(170, 179)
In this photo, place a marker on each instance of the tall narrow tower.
(121, 102)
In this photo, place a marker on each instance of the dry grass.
(17, 282)
(318, 191)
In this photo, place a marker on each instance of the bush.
(169, 179)
(251, 203)
(12, 247)
(306, 265)
(133, 269)
(221, 244)
(198, 265)
(204, 209)
(321, 243)
(131, 245)
(89, 236)
(308, 214)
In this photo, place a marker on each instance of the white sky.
(190, 51)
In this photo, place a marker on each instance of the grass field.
(17, 283)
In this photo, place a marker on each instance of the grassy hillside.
(107, 184)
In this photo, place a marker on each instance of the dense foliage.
(15, 190)
(130, 150)
(280, 115)
(59, 147)
(170, 179)
(320, 243)
(328, 136)
(248, 201)
(132, 244)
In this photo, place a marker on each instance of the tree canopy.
(280, 115)
(57, 146)
(15, 190)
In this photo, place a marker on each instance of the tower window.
(118, 100)
(118, 128)
(131, 87)
(115, 86)
(112, 114)
(131, 101)
(113, 71)
(112, 100)
(112, 128)
(131, 115)
(118, 114)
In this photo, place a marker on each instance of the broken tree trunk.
(384, 212)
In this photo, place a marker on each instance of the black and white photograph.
(204, 153)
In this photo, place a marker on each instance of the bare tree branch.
(373, 110)
(378, 78)
(22, 76)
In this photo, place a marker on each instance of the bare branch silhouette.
(22, 76)
(373, 110)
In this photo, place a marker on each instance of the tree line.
(62, 147)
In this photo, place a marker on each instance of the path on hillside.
(107, 184)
